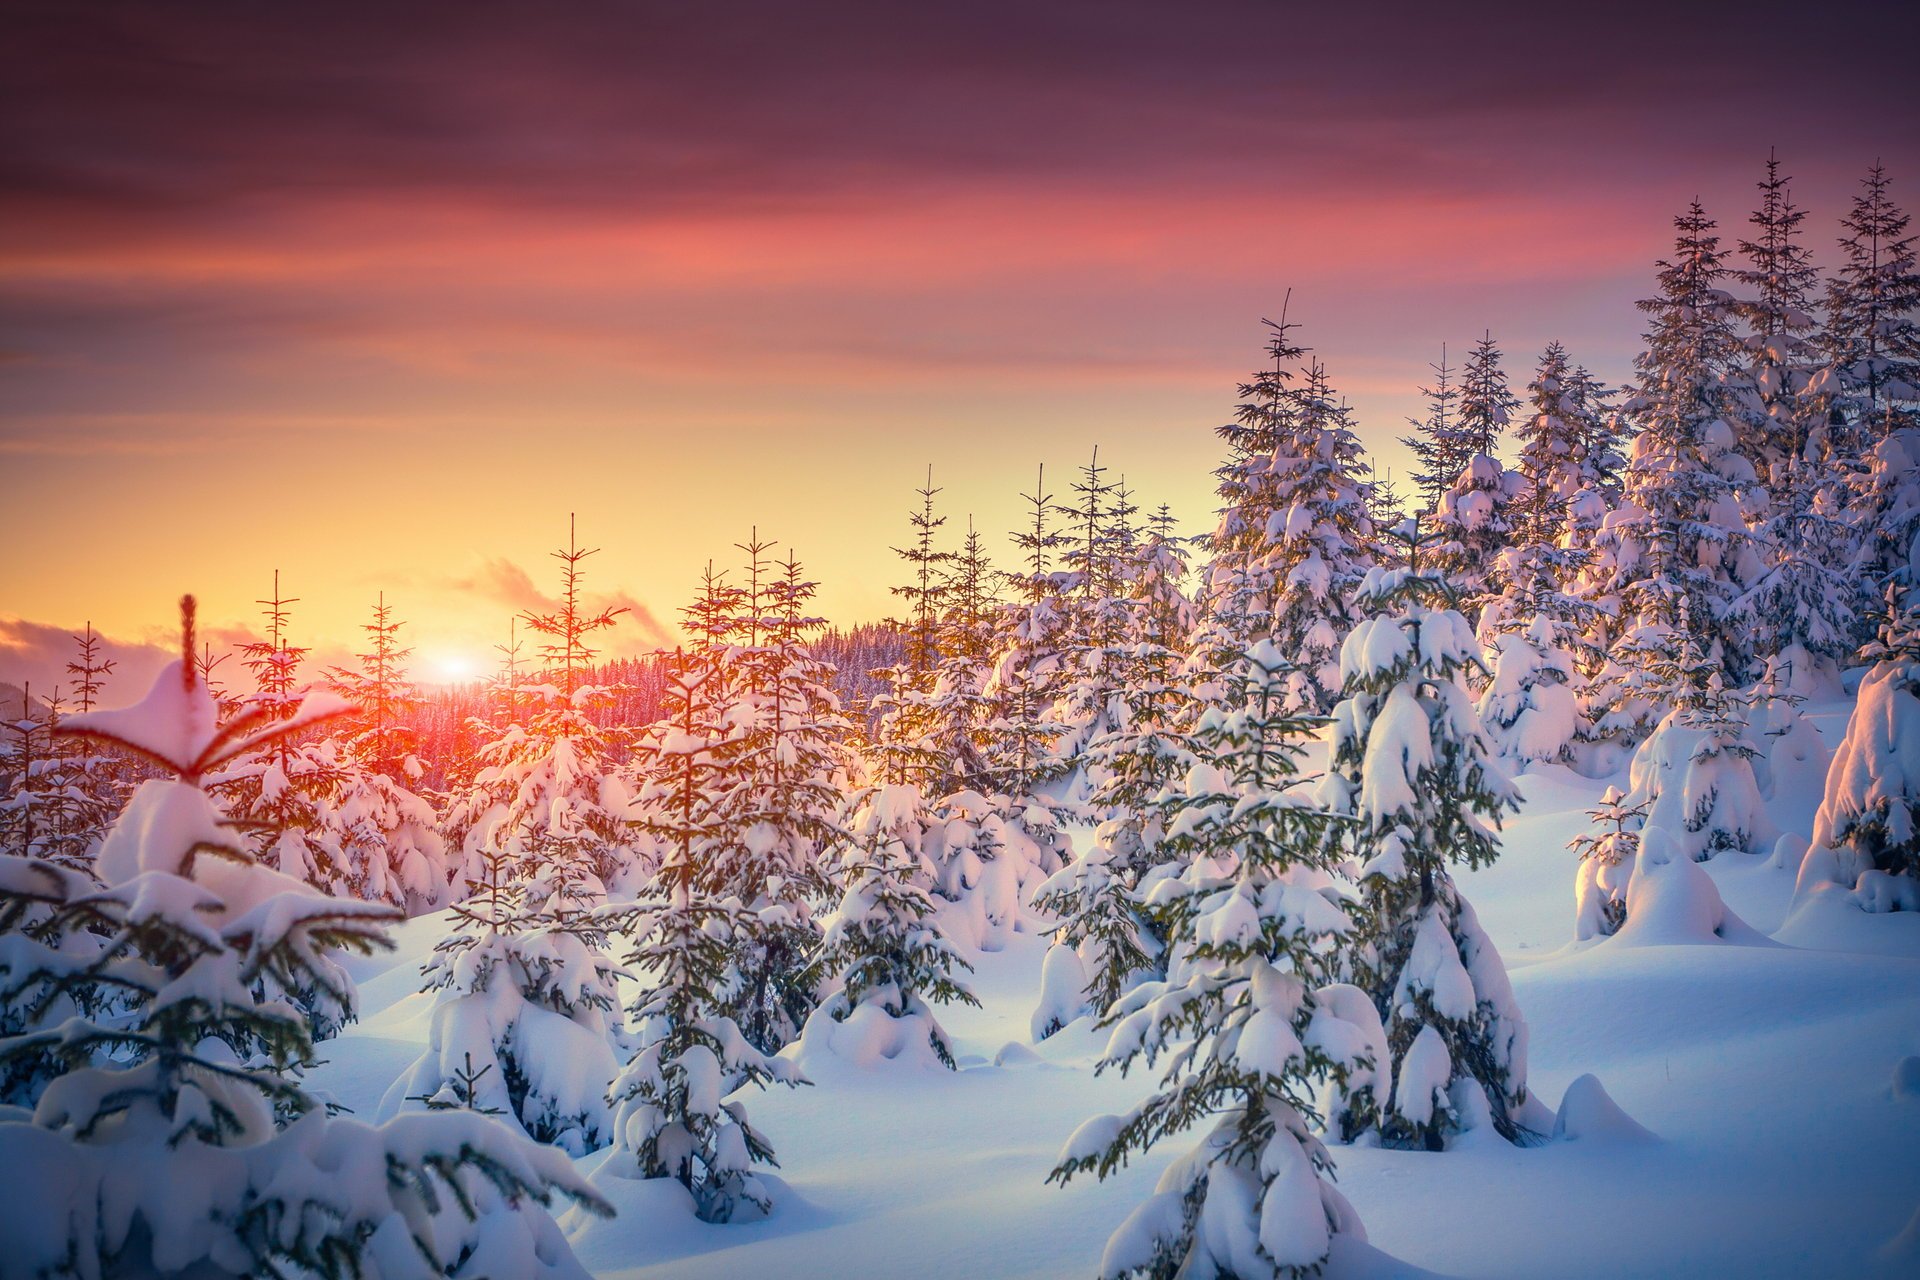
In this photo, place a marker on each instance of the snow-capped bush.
(1866, 841)
(1607, 856)
(1529, 706)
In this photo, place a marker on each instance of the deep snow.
(1782, 1084)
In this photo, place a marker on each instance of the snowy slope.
(1771, 1075)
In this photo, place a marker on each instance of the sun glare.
(453, 668)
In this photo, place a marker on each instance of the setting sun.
(451, 668)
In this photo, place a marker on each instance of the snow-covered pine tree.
(1486, 404)
(884, 962)
(670, 1115)
(169, 1133)
(1781, 360)
(1472, 526)
(388, 834)
(1104, 943)
(787, 812)
(1248, 1031)
(1415, 769)
(1872, 331)
(1439, 445)
(1529, 706)
(903, 752)
(1020, 734)
(1553, 452)
(525, 985)
(1098, 548)
(1686, 476)
(1694, 774)
(1296, 530)
(545, 792)
(94, 785)
(29, 825)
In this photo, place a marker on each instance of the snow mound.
(1672, 901)
(867, 1038)
(1827, 917)
(1588, 1114)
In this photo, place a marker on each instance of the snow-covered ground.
(1777, 1080)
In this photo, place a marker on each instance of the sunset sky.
(377, 294)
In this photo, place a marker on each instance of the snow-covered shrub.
(1607, 857)
(1529, 707)
(1672, 901)
(171, 1135)
(1866, 840)
(522, 1022)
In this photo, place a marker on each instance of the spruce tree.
(1439, 444)
(1246, 1028)
(670, 1115)
(884, 957)
(1296, 530)
(1686, 478)
(1413, 766)
(1873, 312)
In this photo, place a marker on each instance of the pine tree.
(1780, 415)
(1695, 773)
(1686, 477)
(1606, 863)
(786, 813)
(387, 835)
(670, 1116)
(1415, 769)
(1873, 312)
(1439, 443)
(1296, 532)
(526, 983)
(1246, 1034)
(1866, 843)
(1019, 736)
(1486, 405)
(168, 1109)
(884, 957)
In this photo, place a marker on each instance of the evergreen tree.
(671, 1117)
(1606, 863)
(1439, 443)
(1779, 414)
(1486, 405)
(1296, 531)
(1873, 312)
(786, 813)
(1866, 843)
(1247, 1031)
(884, 959)
(1415, 769)
(1686, 477)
